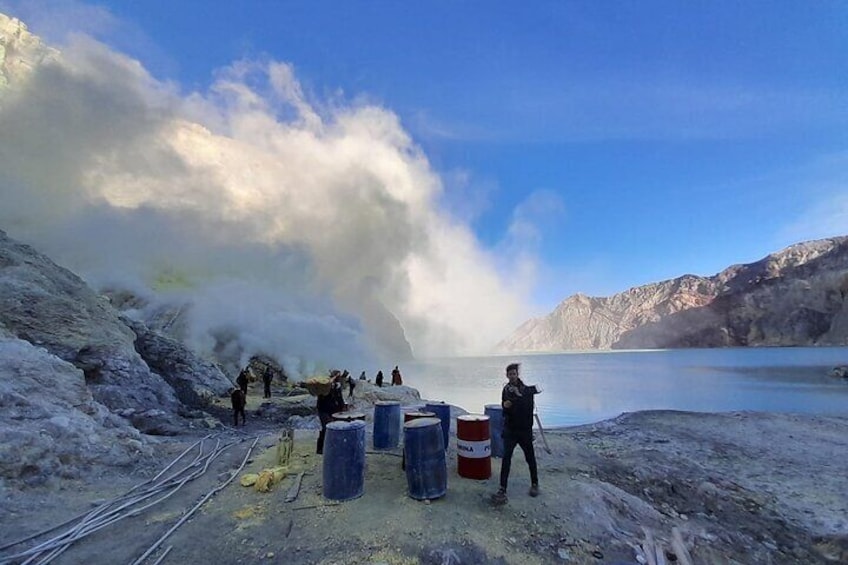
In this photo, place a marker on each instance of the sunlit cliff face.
(301, 227)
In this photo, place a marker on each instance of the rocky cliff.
(793, 297)
(79, 381)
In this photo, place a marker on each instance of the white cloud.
(286, 222)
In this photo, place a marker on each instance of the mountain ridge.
(794, 296)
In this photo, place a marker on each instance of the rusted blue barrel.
(495, 414)
(424, 450)
(386, 424)
(344, 460)
(443, 413)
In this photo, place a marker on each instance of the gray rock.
(195, 381)
(51, 307)
(50, 424)
(840, 371)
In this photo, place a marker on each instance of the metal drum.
(495, 414)
(344, 460)
(443, 413)
(348, 416)
(473, 448)
(426, 468)
(414, 414)
(386, 424)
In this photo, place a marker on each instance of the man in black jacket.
(328, 404)
(518, 406)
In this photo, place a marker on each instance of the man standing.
(267, 377)
(397, 379)
(242, 379)
(518, 406)
(329, 404)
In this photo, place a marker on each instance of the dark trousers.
(268, 389)
(524, 439)
(325, 419)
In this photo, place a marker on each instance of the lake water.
(584, 387)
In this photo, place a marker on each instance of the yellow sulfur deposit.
(265, 480)
(268, 478)
(248, 479)
(318, 386)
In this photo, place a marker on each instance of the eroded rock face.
(50, 424)
(793, 297)
(195, 381)
(50, 307)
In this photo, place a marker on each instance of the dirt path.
(740, 488)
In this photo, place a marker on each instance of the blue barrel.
(495, 414)
(386, 424)
(443, 413)
(424, 450)
(344, 460)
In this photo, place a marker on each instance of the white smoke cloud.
(293, 224)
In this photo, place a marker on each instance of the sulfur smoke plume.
(308, 230)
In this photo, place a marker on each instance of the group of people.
(397, 378)
(517, 401)
(333, 401)
(267, 377)
(238, 396)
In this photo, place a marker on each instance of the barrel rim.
(473, 417)
(387, 403)
(346, 424)
(422, 422)
(350, 414)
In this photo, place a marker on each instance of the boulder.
(840, 371)
(50, 307)
(50, 424)
(195, 381)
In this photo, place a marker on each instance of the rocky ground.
(738, 488)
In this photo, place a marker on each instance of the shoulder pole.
(542, 432)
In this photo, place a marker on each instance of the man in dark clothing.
(518, 406)
(379, 380)
(329, 404)
(242, 380)
(267, 377)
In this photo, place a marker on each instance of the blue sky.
(640, 140)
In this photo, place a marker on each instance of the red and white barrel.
(473, 446)
(415, 414)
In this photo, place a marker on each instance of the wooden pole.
(542, 432)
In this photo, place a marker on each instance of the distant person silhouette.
(267, 377)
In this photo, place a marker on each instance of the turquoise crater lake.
(584, 387)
